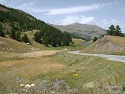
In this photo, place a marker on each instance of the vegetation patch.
(63, 73)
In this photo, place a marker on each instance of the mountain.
(14, 23)
(83, 30)
(17, 19)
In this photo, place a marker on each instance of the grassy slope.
(83, 74)
(117, 40)
(77, 41)
(108, 45)
(10, 45)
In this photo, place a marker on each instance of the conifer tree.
(12, 33)
(25, 38)
(17, 36)
(2, 33)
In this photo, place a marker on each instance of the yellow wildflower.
(75, 75)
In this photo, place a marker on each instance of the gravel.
(109, 57)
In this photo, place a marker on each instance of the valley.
(41, 58)
(66, 73)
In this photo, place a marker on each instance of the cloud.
(78, 19)
(112, 21)
(106, 23)
(30, 7)
(76, 9)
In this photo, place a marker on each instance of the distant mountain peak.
(76, 23)
(87, 31)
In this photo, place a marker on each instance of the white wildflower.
(28, 86)
(21, 85)
(32, 85)
(53, 92)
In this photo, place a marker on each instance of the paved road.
(109, 57)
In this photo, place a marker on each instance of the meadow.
(53, 72)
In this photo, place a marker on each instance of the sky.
(102, 13)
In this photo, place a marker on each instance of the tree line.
(16, 35)
(115, 31)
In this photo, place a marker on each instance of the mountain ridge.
(87, 31)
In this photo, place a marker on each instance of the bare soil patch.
(39, 53)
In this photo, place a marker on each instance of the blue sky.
(63, 12)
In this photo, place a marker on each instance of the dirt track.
(39, 53)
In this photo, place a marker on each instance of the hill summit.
(107, 45)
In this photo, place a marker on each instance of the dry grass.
(8, 44)
(77, 41)
(27, 68)
(117, 40)
(37, 61)
(45, 66)
(39, 53)
(30, 68)
(108, 45)
(31, 33)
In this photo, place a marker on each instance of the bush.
(95, 38)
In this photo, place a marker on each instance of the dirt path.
(109, 57)
(39, 53)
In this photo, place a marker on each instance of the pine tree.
(111, 30)
(25, 38)
(17, 36)
(2, 33)
(115, 31)
(37, 37)
(65, 40)
(118, 30)
(45, 41)
(54, 42)
(12, 33)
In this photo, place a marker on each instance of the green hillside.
(17, 19)
(14, 23)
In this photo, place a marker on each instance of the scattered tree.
(94, 39)
(25, 38)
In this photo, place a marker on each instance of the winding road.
(109, 57)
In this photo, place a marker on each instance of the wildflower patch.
(89, 85)
(75, 75)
